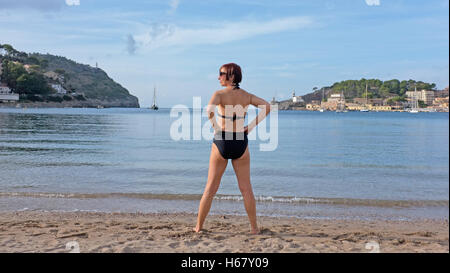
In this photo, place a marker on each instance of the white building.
(296, 98)
(426, 96)
(59, 89)
(273, 101)
(6, 94)
(337, 98)
(4, 89)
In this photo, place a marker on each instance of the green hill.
(31, 75)
(375, 89)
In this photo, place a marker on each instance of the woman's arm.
(215, 100)
(265, 109)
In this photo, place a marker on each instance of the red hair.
(233, 72)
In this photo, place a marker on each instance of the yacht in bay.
(154, 106)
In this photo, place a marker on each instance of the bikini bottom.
(231, 145)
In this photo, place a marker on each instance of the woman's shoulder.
(220, 91)
(226, 92)
(246, 93)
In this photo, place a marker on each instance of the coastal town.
(431, 101)
(24, 82)
(415, 101)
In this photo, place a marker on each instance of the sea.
(354, 165)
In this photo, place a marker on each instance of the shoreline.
(307, 210)
(50, 105)
(34, 231)
(88, 103)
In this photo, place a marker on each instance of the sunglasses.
(222, 73)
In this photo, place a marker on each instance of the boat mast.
(416, 101)
(154, 95)
(366, 94)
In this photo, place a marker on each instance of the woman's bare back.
(233, 108)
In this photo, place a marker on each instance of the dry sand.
(128, 232)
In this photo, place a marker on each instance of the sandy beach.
(172, 233)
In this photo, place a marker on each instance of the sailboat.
(365, 106)
(415, 108)
(154, 106)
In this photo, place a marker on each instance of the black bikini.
(231, 145)
(233, 118)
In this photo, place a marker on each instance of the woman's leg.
(217, 166)
(242, 169)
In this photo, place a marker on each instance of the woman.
(230, 141)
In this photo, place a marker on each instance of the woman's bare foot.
(197, 230)
(255, 231)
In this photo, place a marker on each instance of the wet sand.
(169, 233)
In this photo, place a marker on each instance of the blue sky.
(282, 46)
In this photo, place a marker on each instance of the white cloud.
(42, 5)
(174, 4)
(131, 45)
(373, 2)
(73, 2)
(164, 35)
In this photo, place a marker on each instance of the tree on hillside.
(12, 71)
(9, 49)
(32, 60)
(6, 47)
(377, 88)
(396, 100)
(60, 71)
(43, 63)
(32, 83)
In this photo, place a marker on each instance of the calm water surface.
(344, 165)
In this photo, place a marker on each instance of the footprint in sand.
(191, 243)
(266, 231)
(319, 235)
(174, 245)
(219, 238)
(293, 245)
(128, 249)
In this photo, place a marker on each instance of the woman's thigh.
(217, 166)
(242, 169)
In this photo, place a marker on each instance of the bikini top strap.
(234, 117)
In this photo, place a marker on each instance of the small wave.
(354, 202)
(102, 195)
(14, 149)
(294, 200)
(22, 187)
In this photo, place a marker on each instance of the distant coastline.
(41, 81)
(418, 101)
(88, 103)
